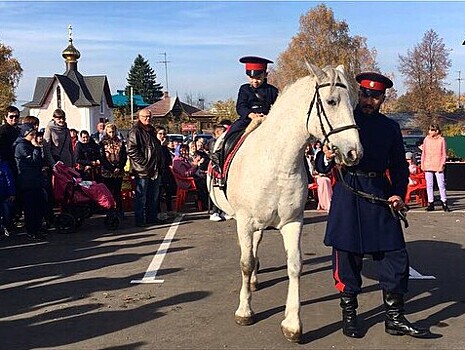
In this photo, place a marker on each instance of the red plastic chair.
(314, 188)
(418, 190)
(182, 193)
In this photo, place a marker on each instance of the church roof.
(83, 91)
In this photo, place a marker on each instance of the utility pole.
(165, 62)
(460, 80)
(131, 96)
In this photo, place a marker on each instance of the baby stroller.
(80, 199)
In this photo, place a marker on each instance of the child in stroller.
(80, 199)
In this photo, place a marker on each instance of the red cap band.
(255, 66)
(372, 85)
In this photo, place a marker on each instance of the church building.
(86, 100)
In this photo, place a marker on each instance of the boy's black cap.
(26, 129)
(254, 65)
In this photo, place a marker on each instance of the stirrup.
(219, 182)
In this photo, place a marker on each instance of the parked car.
(411, 143)
(176, 137)
(206, 137)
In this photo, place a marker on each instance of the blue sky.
(203, 40)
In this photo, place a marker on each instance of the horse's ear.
(318, 73)
(341, 68)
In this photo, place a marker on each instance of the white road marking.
(415, 275)
(152, 270)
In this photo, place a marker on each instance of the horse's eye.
(332, 102)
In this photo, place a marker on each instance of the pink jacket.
(433, 156)
(183, 168)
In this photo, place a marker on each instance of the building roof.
(83, 91)
(121, 99)
(174, 105)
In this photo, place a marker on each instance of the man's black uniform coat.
(355, 224)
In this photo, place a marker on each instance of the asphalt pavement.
(74, 291)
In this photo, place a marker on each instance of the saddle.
(222, 158)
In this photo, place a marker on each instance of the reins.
(400, 214)
(316, 101)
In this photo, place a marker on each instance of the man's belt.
(367, 173)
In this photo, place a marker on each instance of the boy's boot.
(216, 160)
(430, 206)
(395, 322)
(349, 306)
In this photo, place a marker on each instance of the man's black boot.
(430, 207)
(349, 306)
(396, 323)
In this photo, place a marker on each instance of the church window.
(58, 97)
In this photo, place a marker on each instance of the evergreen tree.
(143, 80)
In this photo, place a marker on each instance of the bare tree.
(425, 68)
(322, 40)
(198, 101)
(10, 73)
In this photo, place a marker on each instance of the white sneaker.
(227, 217)
(215, 217)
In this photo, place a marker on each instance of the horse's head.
(330, 117)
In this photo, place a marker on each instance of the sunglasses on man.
(371, 93)
(12, 116)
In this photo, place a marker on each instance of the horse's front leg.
(291, 326)
(257, 238)
(244, 314)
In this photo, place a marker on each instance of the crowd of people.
(28, 155)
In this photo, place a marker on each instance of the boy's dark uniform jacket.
(249, 100)
(354, 223)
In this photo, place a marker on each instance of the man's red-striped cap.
(254, 65)
(374, 81)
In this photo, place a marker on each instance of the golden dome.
(70, 54)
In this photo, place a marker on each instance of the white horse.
(267, 182)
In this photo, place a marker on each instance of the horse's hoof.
(254, 286)
(293, 337)
(244, 321)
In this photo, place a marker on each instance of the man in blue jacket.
(358, 225)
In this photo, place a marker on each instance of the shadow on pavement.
(50, 297)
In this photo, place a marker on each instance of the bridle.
(320, 111)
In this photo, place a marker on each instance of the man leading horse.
(365, 209)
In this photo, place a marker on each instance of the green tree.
(10, 73)
(224, 110)
(143, 80)
(324, 41)
(425, 68)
